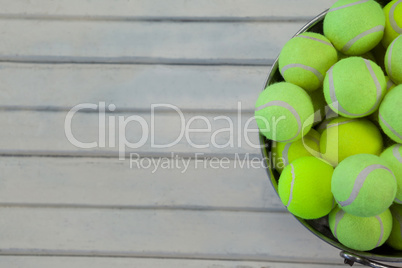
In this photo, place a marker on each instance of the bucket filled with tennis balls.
(330, 121)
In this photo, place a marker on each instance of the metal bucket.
(320, 227)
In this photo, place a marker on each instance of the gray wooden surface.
(63, 206)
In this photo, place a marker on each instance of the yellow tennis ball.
(393, 21)
(393, 156)
(353, 26)
(354, 87)
(284, 153)
(390, 114)
(393, 60)
(360, 233)
(395, 238)
(305, 59)
(364, 185)
(284, 112)
(344, 137)
(305, 187)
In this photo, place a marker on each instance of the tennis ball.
(354, 87)
(319, 105)
(395, 238)
(393, 60)
(360, 233)
(364, 185)
(393, 21)
(393, 156)
(344, 137)
(354, 27)
(285, 153)
(284, 112)
(305, 187)
(305, 59)
(390, 114)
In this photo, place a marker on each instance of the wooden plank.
(97, 182)
(171, 9)
(48, 133)
(130, 86)
(161, 233)
(144, 42)
(104, 262)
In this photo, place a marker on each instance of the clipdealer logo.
(218, 132)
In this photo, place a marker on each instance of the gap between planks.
(179, 19)
(285, 263)
(144, 255)
(172, 9)
(19, 261)
(180, 234)
(27, 59)
(108, 183)
(239, 43)
(200, 89)
(152, 208)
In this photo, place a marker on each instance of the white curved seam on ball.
(390, 84)
(360, 179)
(332, 93)
(348, 5)
(319, 76)
(391, 16)
(389, 64)
(338, 217)
(389, 126)
(382, 231)
(316, 39)
(290, 109)
(396, 200)
(291, 185)
(395, 152)
(377, 85)
(341, 123)
(285, 154)
(351, 42)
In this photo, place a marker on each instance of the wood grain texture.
(44, 133)
(130, 87)
(181, 9)
(104, 262)
(155, 233)
(144, 42)
(81, 211)
(110, 183)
